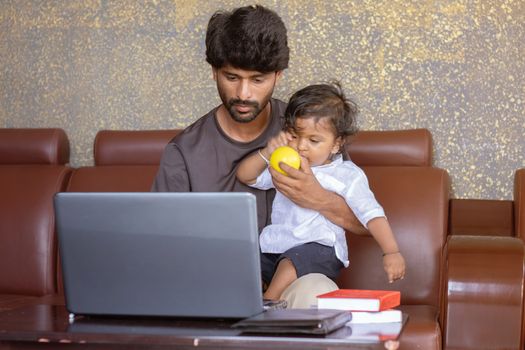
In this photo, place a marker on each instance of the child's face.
(316, 141)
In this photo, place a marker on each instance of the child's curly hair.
(323, 101)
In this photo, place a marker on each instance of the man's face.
(244, 93)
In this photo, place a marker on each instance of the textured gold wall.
(454, 67)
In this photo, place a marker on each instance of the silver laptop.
(160, 254)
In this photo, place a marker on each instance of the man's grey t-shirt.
(204, 159)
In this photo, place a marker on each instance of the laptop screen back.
(160, 254)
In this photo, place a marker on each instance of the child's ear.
(338, 145)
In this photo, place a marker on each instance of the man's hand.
(302, 188)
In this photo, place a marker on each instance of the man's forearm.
(334, 208)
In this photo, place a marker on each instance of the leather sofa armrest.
(483, 292)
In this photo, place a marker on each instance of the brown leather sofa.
(32, 169)
(460, 292)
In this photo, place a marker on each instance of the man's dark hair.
(323, 101)
(250, 38)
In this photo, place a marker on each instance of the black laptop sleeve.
(305, 321)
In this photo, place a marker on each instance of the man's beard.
(244, 117)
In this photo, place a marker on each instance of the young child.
(300, 241)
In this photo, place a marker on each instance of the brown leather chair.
(459, 291)
(32, 169)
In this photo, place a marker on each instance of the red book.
(359, 300)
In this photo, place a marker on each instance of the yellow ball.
(286, 155)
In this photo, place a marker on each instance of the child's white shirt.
(292, 225)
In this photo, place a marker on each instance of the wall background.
(455, 67)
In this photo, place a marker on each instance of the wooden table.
(48, 326)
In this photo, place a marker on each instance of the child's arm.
(253, 165)
(393, 261)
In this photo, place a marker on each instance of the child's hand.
(394, 265)
(281, 139)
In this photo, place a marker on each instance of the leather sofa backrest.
(125, 161)
(391, 148)
(377, 148)
(119, 147)
(481, 217)
(33, 146)
(32, 170)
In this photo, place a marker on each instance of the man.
(248, 51)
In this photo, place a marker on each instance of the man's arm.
(172, 175)
(302, 188)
